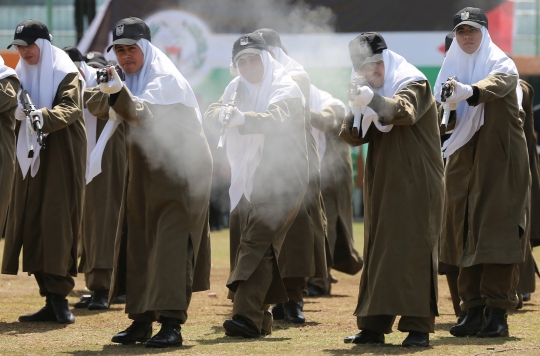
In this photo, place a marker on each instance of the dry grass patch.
(329, 320)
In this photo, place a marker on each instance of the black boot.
(471, 325)
(44, 314)
(121, 299)
(293, 312)
(365, 337)
(100, 300)
(496, 326)
(240, 327)
(61, 309)
(138, 331)
(416, 338)
(83, 303)
(169, 335)
(277, 312)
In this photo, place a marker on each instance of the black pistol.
(447, 90)
(103, 75)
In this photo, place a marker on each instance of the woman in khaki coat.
(47, 200)
(487, 177)
(162, 251)
(403, 194)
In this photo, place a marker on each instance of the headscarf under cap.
(470, 69)
(244, 151)
(42, 81)
(398, 73)
(159, 81)
(291, 66)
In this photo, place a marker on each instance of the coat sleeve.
(406, 107)
(97, 103)
(211, 116)
(328, 119)
(495, 86)
(69, 107)
(276, 119)
(346, 129)
(9, 87)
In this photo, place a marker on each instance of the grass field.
(328, 321)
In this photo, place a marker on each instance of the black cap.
(95, 59)
(448, 41)
(251, 43)
(471, 16)
(366, 48)
(75, 55)
(27, 32)
(271, 38)
(129, 31)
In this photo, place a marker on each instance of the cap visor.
(247, 51)
(22, 42)
(470, 23)
(373, 59)
(99, 65)
(122, 41)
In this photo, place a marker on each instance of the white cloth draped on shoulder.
(469, 69)
(95, 146)
(42, 81)
(291, 66)
(318, 100)
(244, 151)
(159, 81)
(398, 73)
(5, 71)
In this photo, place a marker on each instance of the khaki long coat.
(9, 88)
(527, 269)
(280, 182)
(46, 210)
(102, 202)
(304, 251)
(165, 210)
(487, 199)
(337, 190)
(403, 199)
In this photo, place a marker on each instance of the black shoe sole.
(141, 340)
(232, 330)
(97, 307)
(503, 334)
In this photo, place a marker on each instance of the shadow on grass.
(18, 328)
(472, 340)
(235, 339)
(322, 297)
(283, 325)
(444, 326)
(386, 349)
(136, 349)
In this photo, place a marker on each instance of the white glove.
(461, 92)
(113, 86)
(237, 117)
(19, 113)
(365, 96)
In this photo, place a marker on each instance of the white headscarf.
(5, 71)
(318, 100)
(291, 66)
(159, 81)
(244, 151)
(41, 81)
(470, 69)
(398, 73)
